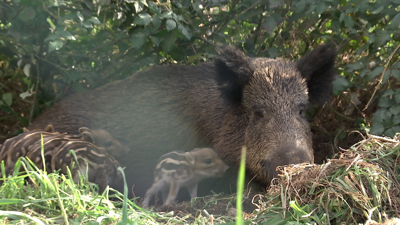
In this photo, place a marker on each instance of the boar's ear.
(87, 136)
(49, 128)
(24, 130)
(84, 129)
(318, 69)
(234, 72)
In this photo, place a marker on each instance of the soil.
(216, 205)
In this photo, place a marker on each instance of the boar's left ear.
(318, 69)
(234, 72)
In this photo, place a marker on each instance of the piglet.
(183, 169)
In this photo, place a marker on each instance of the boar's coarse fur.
(236, 101)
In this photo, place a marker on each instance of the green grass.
(360, 186)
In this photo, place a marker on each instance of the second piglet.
(183, 169)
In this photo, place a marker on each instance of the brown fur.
(237, 101)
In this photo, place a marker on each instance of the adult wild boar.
(236, 101)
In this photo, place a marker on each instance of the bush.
(53, 48)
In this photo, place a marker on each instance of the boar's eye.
(108, 144)
(302, 110)
(259, 114)
(208, 161)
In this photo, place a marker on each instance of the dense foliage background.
(51, 48)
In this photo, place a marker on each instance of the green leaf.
(300, 5)
(55, 45)
(375, 72)
(80, 16)
(378, 10)
(169, 43)
(386, 102)
(153, 8)
(7, 99)
(66, 34)
(27, 70)
(193, 58)
(322, 7)
(138, 7)
(138, 39)
(394, 24)
(349, 22)
(171, 24)
(388, 93)
(389, 132)
(51, 23)
(156, 22)
(396, 120)
(156, 40)
(270, 24)
(397, 98)
(184, 31)
(395, 109)
(166, 15)
(51, 37)
(395, 73)
(342, 17)
(355, 66)
(340, 84)
(142, 19)
(143, 2)
(382, 38)
(377, 129)
(94, 20)
(27, 14)
(396, 129)
(87, 24)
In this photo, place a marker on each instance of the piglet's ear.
(189, 158)
(87, 136)
(318, 69)
(234, 72)
(49, 128)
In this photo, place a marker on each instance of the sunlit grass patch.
(359, 185)
(53, 199)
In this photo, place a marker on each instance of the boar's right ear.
(317, 68)
(234, 72)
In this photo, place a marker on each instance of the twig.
(45, 8)
(380, 80)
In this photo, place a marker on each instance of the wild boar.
(99, 166)
(18, 146)
(183, 169)
(51, 144)
(259, 103)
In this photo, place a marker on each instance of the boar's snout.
(287, 155)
